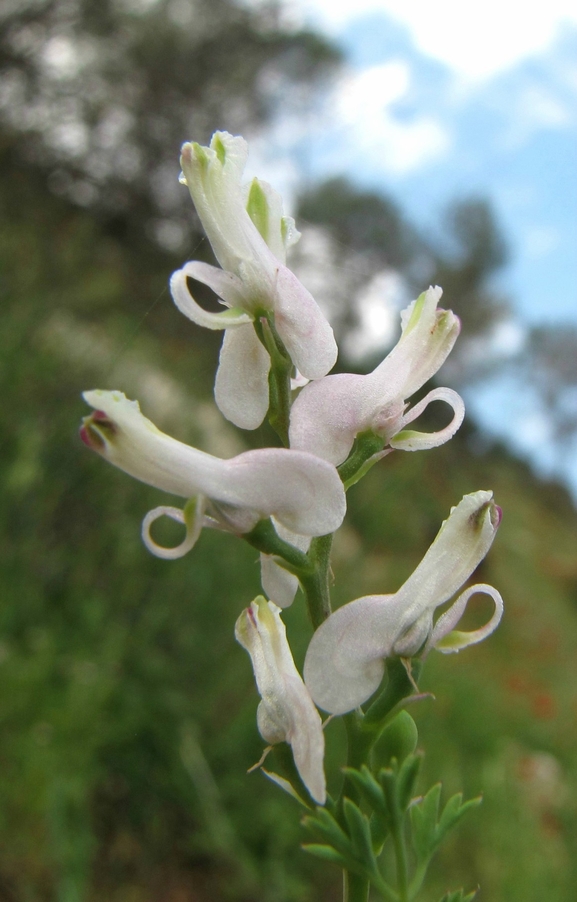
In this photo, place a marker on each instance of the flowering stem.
(317, 590)
(279, 379)
(355, 888)
(265, 538)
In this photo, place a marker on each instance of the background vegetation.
(127, 711)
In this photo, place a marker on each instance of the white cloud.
(539, 241)
(475, 39)
(361, 108)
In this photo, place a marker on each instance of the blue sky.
(445, 100)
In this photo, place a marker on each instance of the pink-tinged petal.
(226, 285)
(241, 386)
(304, 493)
(305, 331)
(329, 414)
(409, 440)
(447, 640)
(344, 663)
(286, 712)
(326, 417)
(459, 547)
(345, 660)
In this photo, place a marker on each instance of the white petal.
(305, 331)
(241, 387)
(215, 187)
(277, 583)
(130, 441)
(226, 285)
(327, 415)
(192, 517)
(447, 640)
(265, 207)
(330, 413)
(460, 545)
(409, 440)
(344, 663)
(213, 175)
(304, 493)
(286, 712)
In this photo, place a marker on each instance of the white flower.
(329, 414)
(345, 660)
(249, 236)
(303, 493)
(286, 712)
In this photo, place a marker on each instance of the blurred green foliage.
(127, 711)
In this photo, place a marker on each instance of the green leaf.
(360, 833)
(429, 829)
(327, 853)
(324, 825)
(406, 780)
(367, 786)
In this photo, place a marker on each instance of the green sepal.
(362, 457)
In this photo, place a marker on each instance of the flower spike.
(328, 414)
(344, 664)
(286, 712)
(249, 236)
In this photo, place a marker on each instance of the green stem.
(264, 538)
(355, 888)
(317, 589)
(399, 842)
(312, 569)
(402, 865)
(279, 378)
